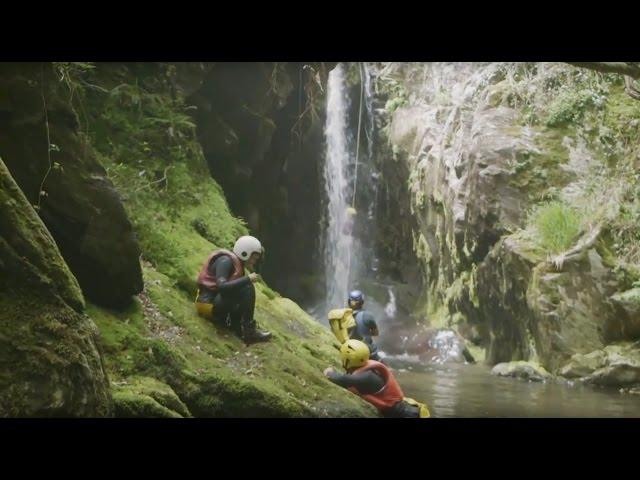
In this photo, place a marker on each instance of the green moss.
(422, 249)
(539, 172)
(570, 105)
(397, 95)
(188, 219)
(130, 404)
(268, 292)
(50, 356)
(438, 315)
(622, 115)
(160, 392)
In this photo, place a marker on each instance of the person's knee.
(247, 293)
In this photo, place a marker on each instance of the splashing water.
(390, 309)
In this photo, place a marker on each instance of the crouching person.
(374, 382)
(226, 295)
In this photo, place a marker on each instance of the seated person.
(226, 295)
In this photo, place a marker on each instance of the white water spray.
(390, 309)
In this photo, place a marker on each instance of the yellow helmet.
(354, 354)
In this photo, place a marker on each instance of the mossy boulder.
(617, 365)
(50, 359)
(55, 166)
(582, 365)
(571, 308)
(147, 397)
(520, 369)
(629, 302)
(541, 311)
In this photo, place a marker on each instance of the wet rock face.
(462, 195)
(394, 221)
(50, 362)
(615, 365)
(79, 205)
(502, 287)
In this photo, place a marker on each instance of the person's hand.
(327, 371)
(254, 277)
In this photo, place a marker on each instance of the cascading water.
(391, 308)
(337, 244)
(350, 180)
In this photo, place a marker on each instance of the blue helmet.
(356, 296)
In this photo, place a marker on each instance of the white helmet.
(247, 245)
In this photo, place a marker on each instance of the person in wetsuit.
(366, 326)
(223, 284)
(374, 382)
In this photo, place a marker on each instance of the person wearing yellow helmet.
(226, 295)
(350, 219)
(374, 382)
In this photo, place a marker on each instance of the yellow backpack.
(205, 310)
(424, 410)
(341, 320)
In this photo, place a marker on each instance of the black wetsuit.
(368, 382)
(365, 327)
(234, 301)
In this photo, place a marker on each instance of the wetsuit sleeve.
(365, 382)
(370, 323)
(222, 269)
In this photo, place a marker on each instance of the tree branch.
(631, 88)
(631, 69)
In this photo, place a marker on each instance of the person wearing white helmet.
(228, 292)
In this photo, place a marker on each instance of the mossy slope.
(163, 359)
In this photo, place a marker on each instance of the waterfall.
(347, 256)
(391, 308)
(337, 245)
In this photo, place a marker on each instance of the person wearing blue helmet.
(366, 326)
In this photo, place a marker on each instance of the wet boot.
(253, 335)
